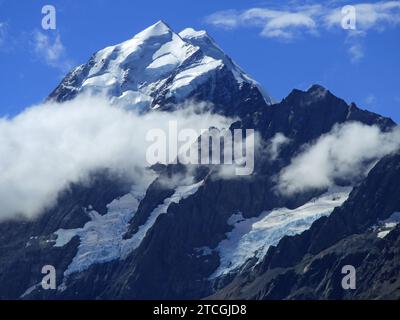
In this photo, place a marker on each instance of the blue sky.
(283, 45)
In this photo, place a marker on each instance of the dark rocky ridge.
(308, 266)
(27, 245)
(201, 220)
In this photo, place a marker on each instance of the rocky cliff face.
(309, 266)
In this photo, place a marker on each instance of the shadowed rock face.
(26, 246)
(166, 264)
(309, 266)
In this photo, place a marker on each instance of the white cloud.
(356, 52)
(370, 99)
(225, 19)
(281, 24)
(290, 22)
(342, 153)
(354, 43)
(50, 48)
(275, 145)
(369, 15)
(49, 146)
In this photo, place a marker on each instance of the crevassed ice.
(101, 238)
(252, 237)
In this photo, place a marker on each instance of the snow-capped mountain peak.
(158, 29)
(210, 48)
(158, 67)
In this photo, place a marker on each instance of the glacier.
(252, 237)
(101, 239)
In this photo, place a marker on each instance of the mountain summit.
(158, 67)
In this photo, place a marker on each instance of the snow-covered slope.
(386, 226)
(155, 67)
(101, 239)
(251, 238)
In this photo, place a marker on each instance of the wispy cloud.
(282, 24)
(354, 43)
(227, 19)
(3, 33)
(370, 99)
(49, 48)
(277, 142)
(288, 23)
(356, 52)
(343, 152)
(377, 15)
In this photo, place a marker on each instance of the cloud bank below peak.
(348, 151)
(49, 146)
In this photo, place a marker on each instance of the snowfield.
(252, 237)
(101, 239)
